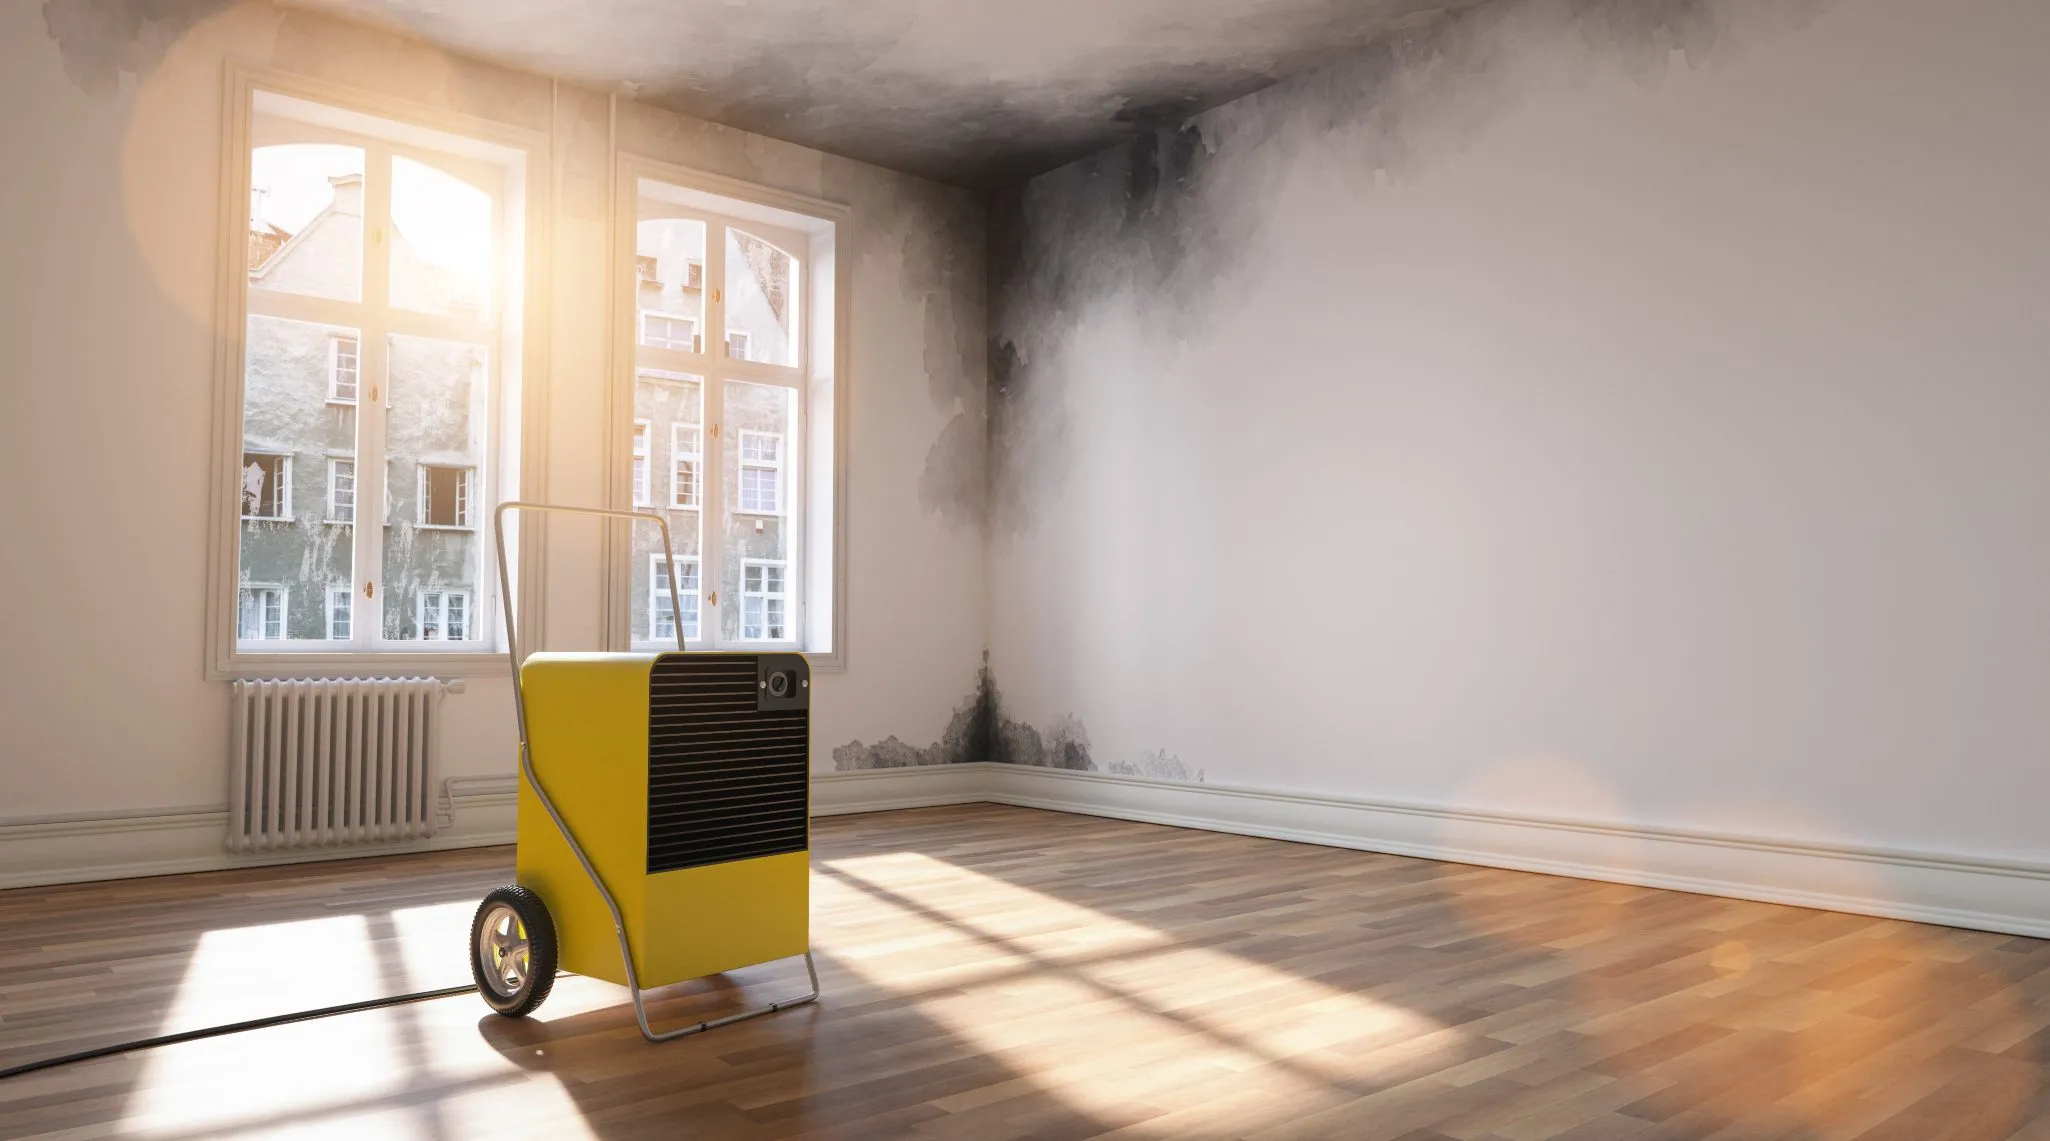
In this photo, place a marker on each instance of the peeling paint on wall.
(101, 40)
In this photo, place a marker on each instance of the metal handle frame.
(533, 779)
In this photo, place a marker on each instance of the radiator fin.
(333, 761)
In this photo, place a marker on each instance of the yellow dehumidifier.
(665, 796)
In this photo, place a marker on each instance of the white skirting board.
(121, 845)
(1955, 890)
(1980, 892)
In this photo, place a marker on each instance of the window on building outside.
(266, 486)
(444, 615)
(761, 471)
(666, 331)
(343, 370)
(763, 602)
(736, 407)
(340, 607)
(341, 491)
(661, 618)
(444, 496)
(684, 460)
(381, 291)
(261, 614)
(640, 463)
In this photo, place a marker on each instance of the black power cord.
(230, 1028)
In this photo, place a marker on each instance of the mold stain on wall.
(980, 731)
(1169, 222)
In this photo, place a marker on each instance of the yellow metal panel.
(587, 721)
(721, 917)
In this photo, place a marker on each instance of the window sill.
(442, 527)
(316, 663)
(268, 519)
(339, 402)
(761, 514)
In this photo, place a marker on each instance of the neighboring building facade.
(303, 386)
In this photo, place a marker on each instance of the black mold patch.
(979, 731)
(102, 39)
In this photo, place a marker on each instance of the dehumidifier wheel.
(512, 943)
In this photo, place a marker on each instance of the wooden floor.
(1004, 973)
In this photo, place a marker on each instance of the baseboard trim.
(2010, 896)
(1980, 892)
(123, 845)
(885, 790)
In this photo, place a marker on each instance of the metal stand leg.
(633, 984)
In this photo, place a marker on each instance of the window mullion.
(373, 400)
(712, 511)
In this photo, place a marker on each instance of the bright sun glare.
(446, 220)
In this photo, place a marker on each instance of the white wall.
(1647, 424)
(108, 215)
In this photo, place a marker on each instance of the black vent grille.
(727, 780)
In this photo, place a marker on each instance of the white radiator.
(334, 761)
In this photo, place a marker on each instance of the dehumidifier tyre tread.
(494, 945)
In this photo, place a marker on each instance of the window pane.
(434, 522)
(672, 405)
(306, 220)
(669, 271)
(441, 242)
(289, 550)
(761, 300)
(755, 451)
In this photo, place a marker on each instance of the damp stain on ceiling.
(974, 92)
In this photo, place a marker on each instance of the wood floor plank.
(994, 973)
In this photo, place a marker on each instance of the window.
(683, 475)
(761, 472)
(746, 407)
(376, 332)
(261, 615)
(340, 605)
(644, 269)
(640, 463)
(668, 331)
(341, 491)
(266, 486)
(444, 616)
(342, 370)
(661, 620)
(444, 496)
(763, 602)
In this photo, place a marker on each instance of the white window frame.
(774, 466)
(658, 593)
(812, 485)
(644, 448)
(444, 594)
(284, 514)
(466, 497)
(334, 368)
(695, 331)
(346, 593)
(284, 594)
(334, 509)
(766, 596)
(386, 125)
(677, 455)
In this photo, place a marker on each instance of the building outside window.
(661, 618)
(378, 281)
(735, 417)
(640, 463)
